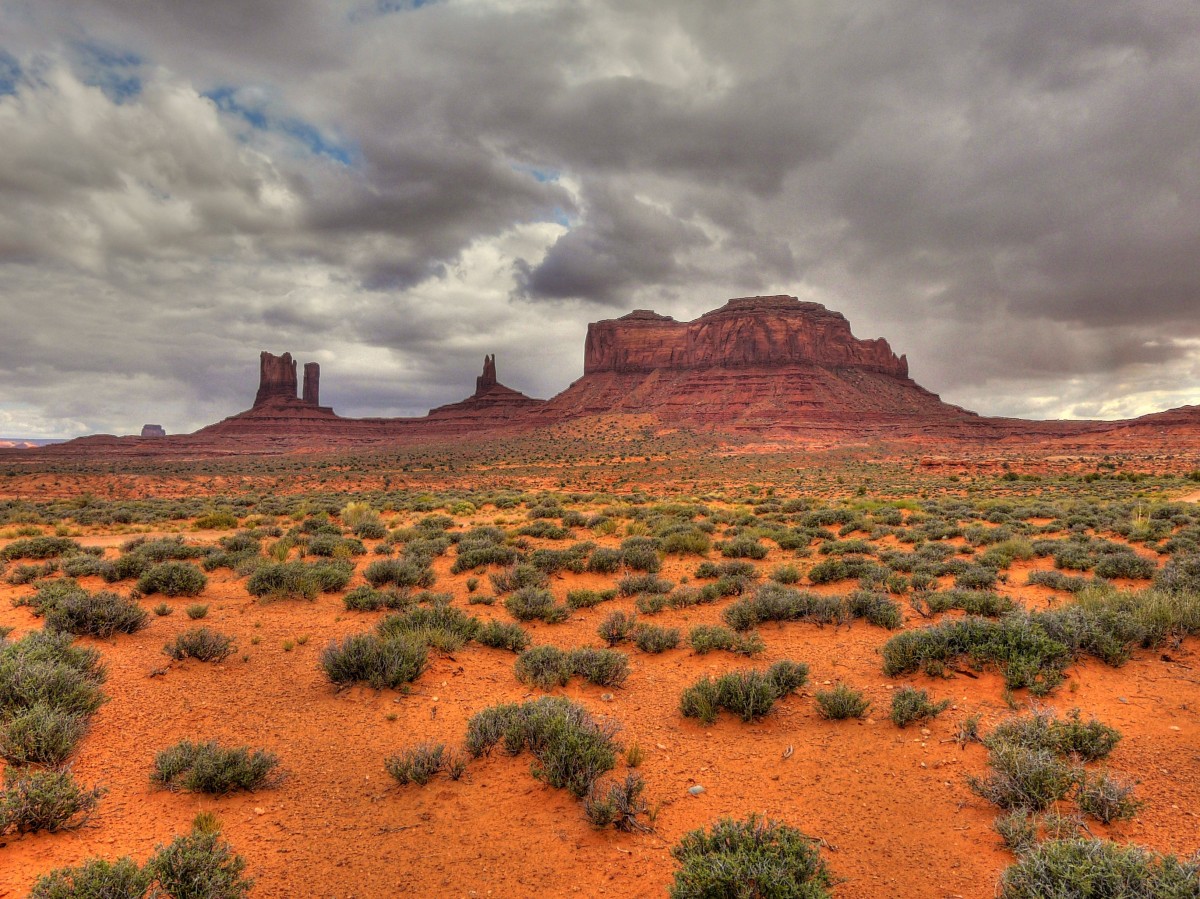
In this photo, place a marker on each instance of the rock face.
(276, 377)
(154, 431)
(312, 383)
(491, 403)
(749, 331)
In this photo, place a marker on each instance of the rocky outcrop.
(312, 383)
(276, 377)
(492, 403)
(749, 331)
(154, 431)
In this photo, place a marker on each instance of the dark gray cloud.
(1008, 192)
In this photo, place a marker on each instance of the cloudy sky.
(1009, 192)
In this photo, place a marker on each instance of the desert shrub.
(910, 704)
(82, 566)
(743, 548)
(94, 879)
(334, 547)
(1089, 869)
(706, 638)
(617, 804)
(1087, 740)
(1106, 798)
(1126, 565)
(27, 574)
(173, 579)
(633, 584)
(299, 580)
(368, 599)
(416, 765)
(530, 603)
(654, 639)
(726, 570)
(572, 749)
(1056, 580)
(216, 521)
(833, 569)
(604, 561)
(40, 734)
(640, 554)
(785, 574)
(1024, 777)
(40, 548)
(974, 602)
(747, 859)
(199, 866)
(519, 577)
(401, 572)
(603, 667)
(842, 702)
(366, 658)
(545, 530)
(201, 643)
(439, 625)
(35, 800)
(552, 561)
(1018, 829)
(585, 599)
(98, 615)
(875, 608)
(210, 768)
(750, 694)
(772, 602)
(43, 668)
(687, 541)
(975, 577)
(545, 667)
(617, 627)
(1181, 574)
(503, 635)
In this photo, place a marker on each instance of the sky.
(1008, 192)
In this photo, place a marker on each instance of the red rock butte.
(774, 366)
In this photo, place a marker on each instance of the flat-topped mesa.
(276, 377)
(747, 331)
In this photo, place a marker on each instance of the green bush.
(654, 639)
(571, 748)
(750, 694)
(440, 625)
(97, 615)
(617, 804)
(585, 599)
(544, 667)
(519, 577)
(617, 627)
(773, 602)
(35, 800)
(368, 599)
(299, 580)
(95, 879)
(173, 579)
(503, 635)
(417, 765)
(842, 702)
(200, 643)
(743, 548)
(199, 866)
(531, 603)
(1022, 777)
(43, 668)
(1106, 798)
(1090, 869)
(40, 548)
(602, 667)
(366, 658)
(910, 704)
(1089, 741)
(409, 573)
(876, 608)
(210, 768)
(40, 734)
(1018, 829)
(757, 857)
(706, 638)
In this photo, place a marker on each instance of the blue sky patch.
(10, 72)
(116, 72)
(306, 134)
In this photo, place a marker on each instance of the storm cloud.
(1010, 193)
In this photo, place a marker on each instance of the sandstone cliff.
(749, 331)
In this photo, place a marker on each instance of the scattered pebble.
(606, 697)
(696, 790)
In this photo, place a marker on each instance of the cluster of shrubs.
(547, 667)
(68, 608)
(200, 865)
(211, 768)
(749, 694)
(49, 689)
(775, 602)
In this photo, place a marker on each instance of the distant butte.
(773, 366)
